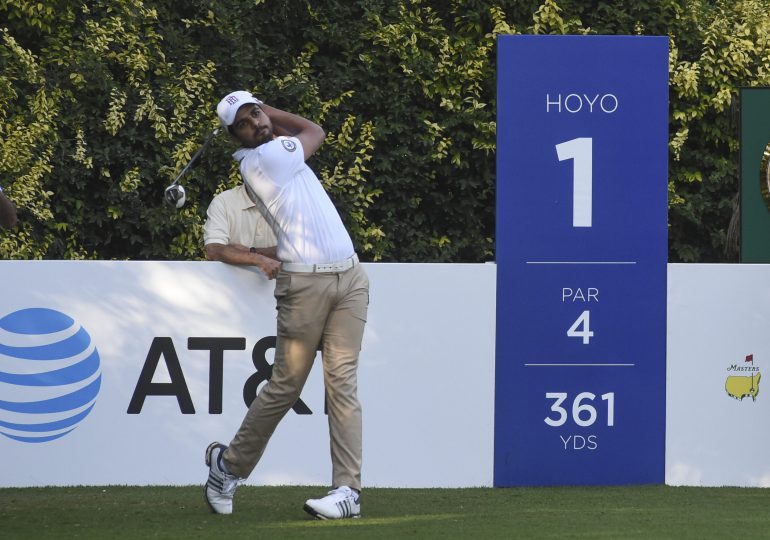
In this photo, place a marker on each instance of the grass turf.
(118, 512)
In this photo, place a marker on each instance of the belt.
(333, 267)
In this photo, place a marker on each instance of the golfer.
(322, 296)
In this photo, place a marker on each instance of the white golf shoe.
(220, 487)
(340, 503)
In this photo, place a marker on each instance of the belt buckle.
(340, 266)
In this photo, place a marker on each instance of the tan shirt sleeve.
(216, 230)
(232, 218)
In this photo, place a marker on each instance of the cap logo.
(232, 100)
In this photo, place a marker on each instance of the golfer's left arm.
(310, 134)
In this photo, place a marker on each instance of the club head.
(174, 195)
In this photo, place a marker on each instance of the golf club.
(174, 195)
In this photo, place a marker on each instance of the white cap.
(230, 104)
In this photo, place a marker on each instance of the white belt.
(339, 266)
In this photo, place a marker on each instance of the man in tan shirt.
(235, 232)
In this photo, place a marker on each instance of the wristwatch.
(253, 249)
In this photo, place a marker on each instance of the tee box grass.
(126, 512)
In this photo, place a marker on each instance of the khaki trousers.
(313, 308)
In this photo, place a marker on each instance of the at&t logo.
(50, 375)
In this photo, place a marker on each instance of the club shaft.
(196, 157)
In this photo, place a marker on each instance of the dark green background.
(755, 135)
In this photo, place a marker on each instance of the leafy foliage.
(716, 46)
(102, 104)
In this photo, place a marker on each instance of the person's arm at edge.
(8, 217)
(310, 134)
(271, 252)
(237, 254)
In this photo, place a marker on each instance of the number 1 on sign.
(580, 150)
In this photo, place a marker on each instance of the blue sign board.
(581, 253)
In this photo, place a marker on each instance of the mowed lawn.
(117, 512)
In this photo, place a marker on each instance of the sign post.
(581, 253)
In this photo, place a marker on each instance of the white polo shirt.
(307, 224)
(233, 218)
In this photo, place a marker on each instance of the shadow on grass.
(398, 520)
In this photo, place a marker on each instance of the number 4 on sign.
(582, 328)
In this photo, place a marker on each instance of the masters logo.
(49, 375)
(746, 384)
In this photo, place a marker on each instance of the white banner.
(718, 356)
(123, 372)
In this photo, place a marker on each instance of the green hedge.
(102, 103)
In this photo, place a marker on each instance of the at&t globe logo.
(49, 375)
